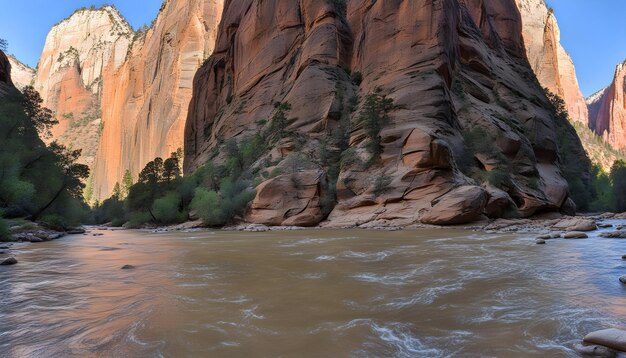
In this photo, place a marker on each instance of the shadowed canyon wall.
(453, 68)
(145, 99)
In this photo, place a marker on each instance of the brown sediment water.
(310, 293)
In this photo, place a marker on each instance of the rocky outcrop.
(607, 110)
(289, 199)
(21, 74)
(70, 70)
(453, 68)
(145, 98)
(552, 65)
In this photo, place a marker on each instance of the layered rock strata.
(551, 63)
(607, 110)
(146, 97)
(453, 69)
(70, 70)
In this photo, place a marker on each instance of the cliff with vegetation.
(70, 71)
(146, 95)
(607, 110)
(551, 63)
(432, 115)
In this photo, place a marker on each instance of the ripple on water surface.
(309, 293)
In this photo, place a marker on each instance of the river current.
(309, 293)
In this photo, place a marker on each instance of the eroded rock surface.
(450, 66)
(548, 58)
(70, 71)
(607, 110)
(21, 74)
(145, 97)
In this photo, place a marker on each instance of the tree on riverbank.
(37, 181)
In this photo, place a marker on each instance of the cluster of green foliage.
(37, 181)
(373, 116)
(477, 141)
(576, 167)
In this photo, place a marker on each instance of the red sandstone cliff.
(145, 99)
(70, 70)
(607, 110)
(552, 65)
(450, 66)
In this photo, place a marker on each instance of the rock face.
(552, 65)
(145, 96)
(5, 74)
(607, 110)
(21, 74)
(289, 199)
(70, 70)
(451, 67)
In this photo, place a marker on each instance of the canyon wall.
(146, 97)
(607, 110)
(70, 70)
(552, 65)
(21, 74)
(457, 73)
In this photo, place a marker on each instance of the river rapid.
(309, 293)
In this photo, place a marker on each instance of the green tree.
(72, 176)
(4, 44)
(127, 183)
(618, 178)
(117, 191)
(171, 167)
(373, 116)
(41, 118)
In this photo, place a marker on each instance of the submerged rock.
(128, 267)
(614, 235)
(611, 338)
(76, 231)
(8, 261)
(540, 241)
(575, 235)
(595, 351)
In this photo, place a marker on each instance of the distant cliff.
(70, 71)
(607, 110)
(21, 74)
(145, 99)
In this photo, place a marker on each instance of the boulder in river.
(594, 351)
(605, 226)
(128, 267)
(620, 234)
(576, 224)
(575, 235)
(8, 261)
(540, 242)
(622, 279)
(611, 338)
(76, 231)
(623, 257)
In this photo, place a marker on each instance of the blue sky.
(592, 31)
(25, 23)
